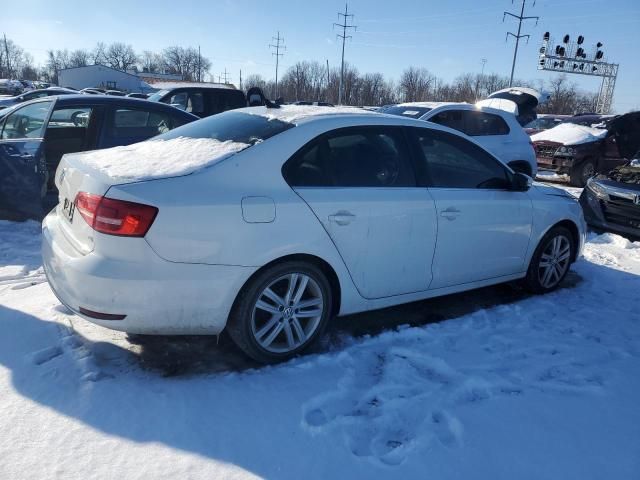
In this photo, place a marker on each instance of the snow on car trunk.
(155, 159)
(96, 171)
(570, 134)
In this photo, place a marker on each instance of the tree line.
(306, 80)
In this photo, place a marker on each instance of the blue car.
(35, 135)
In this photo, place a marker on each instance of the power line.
(346, 15)
(517, 36)
(278, 46)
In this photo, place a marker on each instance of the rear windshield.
(234, 126)
(407, 111)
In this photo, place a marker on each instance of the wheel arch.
(323, 265)
(575, 234)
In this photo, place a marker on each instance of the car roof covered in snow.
(297, 114)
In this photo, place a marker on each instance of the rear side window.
(453, 162)
(353, 157)
(234, 126)
(223, 100)
(482, 123)
(129, 122)
(449, 118)
(26, 122)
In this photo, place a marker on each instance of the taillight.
(115, 217)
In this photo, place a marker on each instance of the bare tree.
(99, 54)
(79, 58)
(120, 56)
(416, 84)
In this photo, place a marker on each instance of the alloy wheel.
(554, 261)
(287, 313)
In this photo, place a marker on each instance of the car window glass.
(482, 123)
(449, 118)
(234, 126)
(353, 158)
(220, 100)
(26, 122)
(453, 162)
(179, 100)
(138, 123)
(74, 117)
(195, 103)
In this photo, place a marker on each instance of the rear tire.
(551, 261)
(583, 172)
(281, 312)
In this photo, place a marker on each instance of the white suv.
(496, 130)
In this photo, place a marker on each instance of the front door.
(23, 172)
(361, 185)
(483, 227)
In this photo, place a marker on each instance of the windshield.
(406, 111)
(544, 123)
(230, 125)
(158, 95)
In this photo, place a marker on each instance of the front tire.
(551, 261)
(281, 311)
(583, 172)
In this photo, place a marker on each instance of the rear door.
(361, 185)
(492, 132)
(483, 227)
(23, 172)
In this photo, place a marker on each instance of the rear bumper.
(595, 215)
(154, 295)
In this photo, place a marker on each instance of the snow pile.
(156, 158)
(535, 387)
(296, 113)
(570, 134)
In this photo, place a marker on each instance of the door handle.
(342, 218)
(450, 213)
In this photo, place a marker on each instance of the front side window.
(482, 123)
(26, 122)
(353, 157)
(453, 162)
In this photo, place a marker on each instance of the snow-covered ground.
(520, 387)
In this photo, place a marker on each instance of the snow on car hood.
(295, 113)
(570, 134)
(155, 159)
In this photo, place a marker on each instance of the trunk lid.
(72, 178)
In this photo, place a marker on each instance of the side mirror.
(521, 182)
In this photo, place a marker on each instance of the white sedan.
(270, 221)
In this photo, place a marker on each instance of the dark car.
(545, 121)
(33, 94)
(34, 137)
(583, 151)
(612, 201)
(201, 99)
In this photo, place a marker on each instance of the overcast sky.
(446, 37)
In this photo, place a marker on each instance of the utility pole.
(199, 65)
(327, 95)
(346, 15)
(279, 45)
(241, 79)
(6, 49)
(517, 36)
(484, 62)
(225, 75)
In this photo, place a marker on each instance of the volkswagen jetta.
(270, 221)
